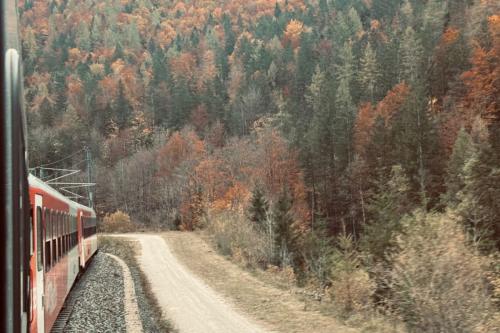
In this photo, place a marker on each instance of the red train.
(62, 241)
(45, 238)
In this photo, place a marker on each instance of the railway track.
(102, 299)
(65, 314)
(69, 303)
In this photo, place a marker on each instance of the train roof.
(38, 183)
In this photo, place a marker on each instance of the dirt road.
(186, 300)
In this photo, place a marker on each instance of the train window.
(53, 239)
(65, 233)
(59, 232)
(51, 222)
(75, 231)
(39, 241)
(59, 227)
(48, 229)
(63, 248)
(69, 232)
(31, 231)
(47, 220)
(59, 242)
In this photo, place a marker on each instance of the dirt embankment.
(279, 310)
(186, 299)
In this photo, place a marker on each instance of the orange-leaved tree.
(483, 79)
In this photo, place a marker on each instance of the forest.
(353, 142)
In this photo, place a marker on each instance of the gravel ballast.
(99, 293)
(152, 320)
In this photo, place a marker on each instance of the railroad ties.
(65, 313)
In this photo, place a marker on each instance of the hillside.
(334, 137)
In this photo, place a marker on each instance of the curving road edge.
(184, 298)
(132, 318)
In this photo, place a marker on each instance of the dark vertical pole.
(4, 316)
(90, 193)
(12, 240)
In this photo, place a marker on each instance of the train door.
(81, 240)
(39, 265)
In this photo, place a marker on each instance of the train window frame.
(32, 241)
(63, 234)
(39, 232)
(75, 230)
(47, 239)
(69, 232)
(65, 231)
(58, 236)
(59, 232)
(53, 239)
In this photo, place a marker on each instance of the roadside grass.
(279, 309)
(128, 250)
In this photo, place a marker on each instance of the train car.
(45, 238)
(14, 205)
(65, 240)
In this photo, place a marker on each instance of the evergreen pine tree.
(61, 100)
(369, 73)
(118, 54)
(277, 10)
(479, 206)
(323, 7)
(258, 208)
(305, 65)
(411, 54)
(122, 108)
(83, 36)
(229, 35)
(318, 150)
(463, 151)
(385, 210)
(343, 121)
(285, 235)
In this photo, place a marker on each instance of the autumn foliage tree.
(293, 32)
(482, 80)
(343, 114)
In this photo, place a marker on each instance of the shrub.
(117, 222)
(438, 283)
(236, 236)
(317, 253)
(352, 289)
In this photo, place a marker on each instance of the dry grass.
(279, 309)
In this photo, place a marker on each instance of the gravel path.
(126, 249)
(188, 301)
(132, 317)
(99, 293)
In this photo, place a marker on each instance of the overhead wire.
(48, 178)
(61, 160)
